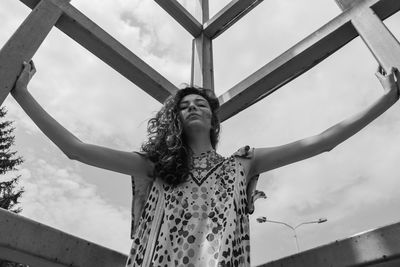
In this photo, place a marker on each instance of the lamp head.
(262, 219)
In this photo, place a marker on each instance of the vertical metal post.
(25, 42)
(380, 41)
(297, 241)
(202, 55)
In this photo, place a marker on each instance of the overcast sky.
(355, 186)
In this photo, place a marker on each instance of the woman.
(194, 203)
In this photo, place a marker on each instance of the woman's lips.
(193, 115)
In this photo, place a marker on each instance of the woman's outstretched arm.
(102, 157)
(273, 157)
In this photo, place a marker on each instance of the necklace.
(203, 154)
(203, 165)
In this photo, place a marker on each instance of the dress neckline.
(203, 154)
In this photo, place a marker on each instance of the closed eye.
(201, 103)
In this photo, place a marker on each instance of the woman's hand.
(390, 83)
(25, 76)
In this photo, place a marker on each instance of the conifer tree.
(9, 192)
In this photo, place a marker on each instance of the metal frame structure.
(359, 18)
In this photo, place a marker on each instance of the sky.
(355, 186)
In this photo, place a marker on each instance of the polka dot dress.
(202, 222)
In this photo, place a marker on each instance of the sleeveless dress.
(201, 222)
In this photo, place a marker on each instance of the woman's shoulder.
(146, 164)
(245, 152)
(244, 156)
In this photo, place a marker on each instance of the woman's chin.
(196, 125)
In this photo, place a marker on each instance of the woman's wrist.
(18, 93)
(390, 98)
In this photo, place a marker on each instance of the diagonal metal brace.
(88, 34)
(229, 15)
(26, 41)
(379, 40)
(182, 16)
(300, 58)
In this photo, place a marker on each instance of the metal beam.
(202, 72)
(25, 42)
(182, 16)
(225, 18)
(37, 245)
(202, 63)
(380, 41)
(84, 31)
(378, 247)
(298, 59)
(346, 4)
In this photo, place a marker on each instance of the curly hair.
(166, 146)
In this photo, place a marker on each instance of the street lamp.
(264, 219)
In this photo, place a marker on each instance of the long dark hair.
(166, 145)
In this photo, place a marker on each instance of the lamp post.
(264, 219)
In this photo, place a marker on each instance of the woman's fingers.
(396, 74)
(389, 81)
(27, 72)
(381, 70)
(29, 69)
(33, 67)
(379, 75)
(386, 79)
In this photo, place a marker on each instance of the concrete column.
(25, 42)
(28, 242)
(202, 55)
(380, 41)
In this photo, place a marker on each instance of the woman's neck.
(199, 143)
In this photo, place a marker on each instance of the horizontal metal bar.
(182, 16)
(37, 245)
(378, 247)
(298, 59)
(225, 18)
(84, 31)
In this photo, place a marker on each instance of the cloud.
(353, 186)
(344, 185)
(76, 92)
(60, 197)
(263, 34)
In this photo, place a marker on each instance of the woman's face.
(195, 112)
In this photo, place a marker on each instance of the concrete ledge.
(378, 247)
(25, 241)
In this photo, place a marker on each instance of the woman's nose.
(192, 106)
